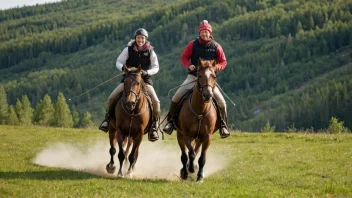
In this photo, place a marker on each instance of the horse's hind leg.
(184, 158)
(134, 155)
(128, 141)
(196, 148)
(202, 159)
(191, 154)
(110, 167)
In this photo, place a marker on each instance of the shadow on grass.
(48, 175)
(67, 175)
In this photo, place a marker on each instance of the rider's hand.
(217, 67)
(144, 73)
(191, 68)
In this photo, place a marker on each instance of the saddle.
(150, 104)
(188, 95)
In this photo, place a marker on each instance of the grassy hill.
(273, 49)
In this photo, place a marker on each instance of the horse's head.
(132, 86)
(206, 78)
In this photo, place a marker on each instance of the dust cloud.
(155, 161)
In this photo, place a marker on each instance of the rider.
(138, 52)
(206, 48)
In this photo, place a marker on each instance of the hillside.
(273, 49)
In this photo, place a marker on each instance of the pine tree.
(86, 120)
(3, 106)
(27, 111)
(44, 113)
(76, 119)
(19, 111)
(62, 116)
(12, 116)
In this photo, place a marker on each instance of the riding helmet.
(141, 31)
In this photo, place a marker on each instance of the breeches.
(184, 89)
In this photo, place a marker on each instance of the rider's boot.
(169, 127)
(224, 133)
(104, 126)
(153, 133)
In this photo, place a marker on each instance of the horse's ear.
(139, 68)
(213, 63)
(200, 61)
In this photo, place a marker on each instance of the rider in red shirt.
(206, 48)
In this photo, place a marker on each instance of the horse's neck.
(198, 105)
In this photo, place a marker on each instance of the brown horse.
(197, 120)
(132, 117)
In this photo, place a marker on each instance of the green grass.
(258, 165)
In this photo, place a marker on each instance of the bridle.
(132, 91)
(201, 87)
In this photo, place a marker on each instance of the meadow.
(37, 162)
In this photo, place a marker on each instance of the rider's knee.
(222, 103)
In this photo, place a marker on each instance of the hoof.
(110, 168)
(199, 179)
(191, 169)
(130, 174)
(120, 175)
(183, 174)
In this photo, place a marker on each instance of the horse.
(132, 116)
(197, 120)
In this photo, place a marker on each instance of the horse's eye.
(137, 83)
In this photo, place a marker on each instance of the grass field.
(243, 165)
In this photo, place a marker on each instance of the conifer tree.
(86, 120)
(19, 111)
(44, 113)
(3, 106)
(62, 116)
(76, 119)
(27, 111)
(12, 118)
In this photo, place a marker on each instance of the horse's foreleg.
(184, 158)
(121, 154)
(202, 159)
(110, 167)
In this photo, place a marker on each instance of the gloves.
(144, 73)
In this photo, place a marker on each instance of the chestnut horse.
(132, 116)
(197, 120)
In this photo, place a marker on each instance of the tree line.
(272, 48)
(45, 114)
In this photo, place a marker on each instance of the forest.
(289, 61)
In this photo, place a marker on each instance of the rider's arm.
(220, 58)
(187, 54)
(121, 60)
(154, 64)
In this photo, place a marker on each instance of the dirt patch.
(156, 160)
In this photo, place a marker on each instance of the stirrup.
(224, 133)
(153, 134)
(169, 127)
(103, 127)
